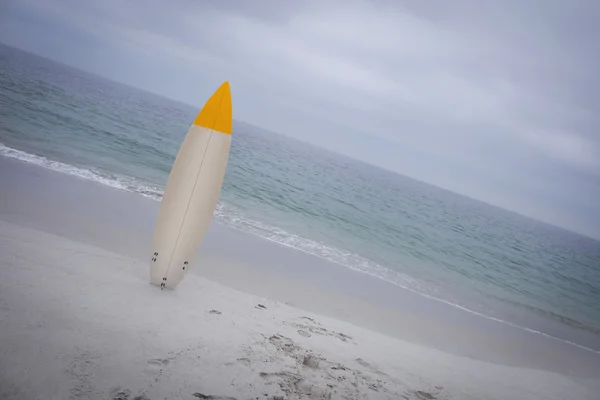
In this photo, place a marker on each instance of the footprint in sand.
(161, 362)
(363, 362)
(303, 333)
(120, 394)
(212, 396)
(315, 328)
(123, 394)
(244, 360)
(311, 320)
(421, 395)
(311, 361)
(156, 365)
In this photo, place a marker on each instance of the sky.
(497, 100)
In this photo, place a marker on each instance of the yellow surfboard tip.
(216, 113)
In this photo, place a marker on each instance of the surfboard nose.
(217, 113)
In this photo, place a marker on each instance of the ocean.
(463, 252)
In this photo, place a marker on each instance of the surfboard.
(192, 191)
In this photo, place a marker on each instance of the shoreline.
(277, 272)
(593, 345)
(547, 327)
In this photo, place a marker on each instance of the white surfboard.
(192, 191)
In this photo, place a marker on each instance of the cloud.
(497, 100)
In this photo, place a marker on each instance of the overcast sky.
(497, 100)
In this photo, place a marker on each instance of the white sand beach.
(79, 320)
(82, 322)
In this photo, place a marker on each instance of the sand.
(78, 321)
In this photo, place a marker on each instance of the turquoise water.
(461, 251)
